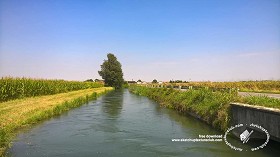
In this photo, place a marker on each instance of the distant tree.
(154, 81)
(111, 72)
(139, 81)
(131, 82)
(178, 81)
(89, 80)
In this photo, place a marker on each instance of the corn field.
(14, 88)
(257, 86)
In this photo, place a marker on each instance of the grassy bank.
(14, 88)
(19, 113)
(211, 107)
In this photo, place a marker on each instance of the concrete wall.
(268, 118)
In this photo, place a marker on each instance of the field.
(14, 88)
(19, 113)
(245, 86)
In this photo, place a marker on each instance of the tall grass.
(14, 88)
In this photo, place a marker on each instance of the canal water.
(121, 124)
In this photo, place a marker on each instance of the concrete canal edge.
(268, 118)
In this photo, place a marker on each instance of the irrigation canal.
(122, 124)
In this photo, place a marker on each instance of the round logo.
(245, 135)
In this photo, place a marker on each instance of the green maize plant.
(15, 88)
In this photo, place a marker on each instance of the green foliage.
(154, 81)
(111, 72)
(125, 84)
(89, 80)
(262, 101)
(14, 88)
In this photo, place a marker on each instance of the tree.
(111, 72)
(89, 80)
(154, 81)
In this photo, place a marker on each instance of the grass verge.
(20, 113)
(264, 101)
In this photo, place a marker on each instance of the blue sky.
(164, 39)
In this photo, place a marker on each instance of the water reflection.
(112, 104)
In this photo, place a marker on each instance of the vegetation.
(14, 88)
(16, 114)
(262, 101)
(177, 81)
(245, 86)
(111, 72)
(125, 84)
(154, 81)
(89, 80)
(211, 107)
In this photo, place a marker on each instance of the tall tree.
(111, 71)
(154, 81)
